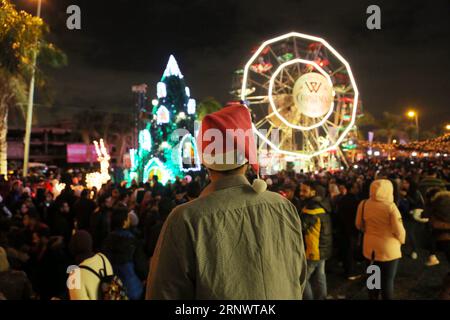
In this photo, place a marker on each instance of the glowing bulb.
(414, 154)
(154, 102)
(162, 115)
(376, 153)
(369, 152)
(164, 145)
(191, 106)
(145, 140)
(355, 166)
(181, 116)
(411, 114)
(161, 91)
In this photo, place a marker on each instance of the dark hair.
(84, 193)
(165, 206)
(118, 217)
(193, 189)
(290, 186)
(124, 194)
(311, 184)
(155, 177)
(32, 214)
(43, 232)
(431, 171)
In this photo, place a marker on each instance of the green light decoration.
(286, 57)
(155, 167)
(160, 152)
(346, 117)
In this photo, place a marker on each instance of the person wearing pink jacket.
(380, 220)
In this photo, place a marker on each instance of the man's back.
(230, 244)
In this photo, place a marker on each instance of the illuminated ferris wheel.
(301, 86)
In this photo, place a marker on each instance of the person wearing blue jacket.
(126, 254)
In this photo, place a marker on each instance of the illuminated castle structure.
(165, 144)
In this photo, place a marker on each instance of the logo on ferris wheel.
(313, 86)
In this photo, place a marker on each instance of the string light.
(145, 140)
(191, 106)
(162, 115)
(193, 145)
(161, 90)
(172, 68)
(181, 116)
(156, 165)
(97, 179)
(354, 104)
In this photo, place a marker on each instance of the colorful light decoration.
(161, 90)
(186, 148)
(250, 66)
(286, 57)
(172, 68)
(162, 115)
(145, 140)
(191, 106)
(261, 67)
(97, 179)
(181, 116)
(172, 109)
(164, 145)
(155, 166)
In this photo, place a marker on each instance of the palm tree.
(364, 123)
(207, 106)
(389, 126)
(21, 35)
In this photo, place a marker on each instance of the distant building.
(47, 144)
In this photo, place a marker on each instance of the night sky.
(126, 42)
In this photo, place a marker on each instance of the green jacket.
(230, 243)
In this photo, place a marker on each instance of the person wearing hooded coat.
(380, 220)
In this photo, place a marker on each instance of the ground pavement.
(414, 280)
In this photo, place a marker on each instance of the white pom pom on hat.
(259, 185)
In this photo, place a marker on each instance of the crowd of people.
(346, 215)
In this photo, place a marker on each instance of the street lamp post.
(26, 153)
(414, 115)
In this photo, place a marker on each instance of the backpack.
(110, 287)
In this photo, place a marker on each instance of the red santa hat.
(226, 141)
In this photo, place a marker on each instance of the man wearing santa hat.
(237, 240)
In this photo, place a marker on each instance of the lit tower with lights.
(165, 135)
